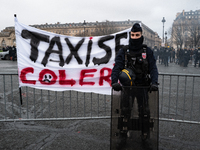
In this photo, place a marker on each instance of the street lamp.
(84, 24)
(163, 21)
(166, 38)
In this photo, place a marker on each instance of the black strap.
(145, 48)
(125, 48)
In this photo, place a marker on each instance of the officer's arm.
(119, 65)
(152, 67)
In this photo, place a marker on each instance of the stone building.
(186, 29)
(7, 37)
(151, 38)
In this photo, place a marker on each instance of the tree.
(194, 31)
(170, 41)
(178, 33)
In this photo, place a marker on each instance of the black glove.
(116, 86)
(153, 87)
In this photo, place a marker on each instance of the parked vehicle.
(5, 55)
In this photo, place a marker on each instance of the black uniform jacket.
(120, 63)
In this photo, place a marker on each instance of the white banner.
(58, 62)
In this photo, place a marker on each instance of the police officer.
(156, 52)
(166, 56)
(13, 52)
(181, 59)
(135, 45)
(161, 55)
(197, 57)
(140, 59)
(186, 57)
(173, 55)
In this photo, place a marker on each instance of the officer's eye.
(137, 35)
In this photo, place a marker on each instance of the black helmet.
(127, 77)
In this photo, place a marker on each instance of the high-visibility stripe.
(127, 73)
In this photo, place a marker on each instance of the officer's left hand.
(153, 87)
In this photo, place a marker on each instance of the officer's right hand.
(116, 86)
(153, 87)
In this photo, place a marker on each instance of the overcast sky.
(150, 12)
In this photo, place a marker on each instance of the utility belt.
(146, 81)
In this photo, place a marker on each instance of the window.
(3, 43)
(14, 41)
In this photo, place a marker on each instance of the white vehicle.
(5, 55)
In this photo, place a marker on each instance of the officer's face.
(135, 35)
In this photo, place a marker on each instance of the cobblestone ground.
(90, 134)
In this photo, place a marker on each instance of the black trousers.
(130, 93)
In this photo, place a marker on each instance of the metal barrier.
(178, 93)
(179, 97)
(48, 105)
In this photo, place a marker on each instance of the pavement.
(87, 134)
(55, 135)
(7, 66)
(90, 134)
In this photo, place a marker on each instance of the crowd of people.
(164, 55)
(182, 57)
(12, 52)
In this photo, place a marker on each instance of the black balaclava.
(136, 44)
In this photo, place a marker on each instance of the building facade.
(186, 29)
(151, 38)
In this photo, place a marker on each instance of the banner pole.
(20, 93)
(20, 90)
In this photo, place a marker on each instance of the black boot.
(122, 141)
